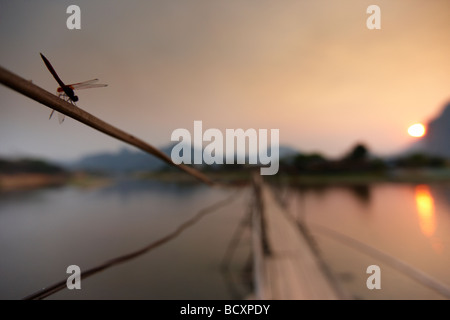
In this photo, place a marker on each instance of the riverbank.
(395, 176)
(243, 177)
(24, 181)
(28, 181)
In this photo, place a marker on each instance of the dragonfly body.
(69, 92)
(66, 92)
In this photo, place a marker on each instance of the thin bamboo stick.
(396, 263)
(38, 94)
(45, 292)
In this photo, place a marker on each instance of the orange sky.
(309, 68)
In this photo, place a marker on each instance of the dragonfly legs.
(61, 116)
(66, 98)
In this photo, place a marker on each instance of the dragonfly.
(66, 91)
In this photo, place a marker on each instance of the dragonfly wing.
(61, 117)
(74, 85)
(51, 113)
(88, 86)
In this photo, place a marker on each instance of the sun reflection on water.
(425, 209)
(426, 213)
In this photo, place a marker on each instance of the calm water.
(406, 222)
(44, 231)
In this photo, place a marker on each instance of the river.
(44, 231)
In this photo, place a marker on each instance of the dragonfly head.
(75, 98)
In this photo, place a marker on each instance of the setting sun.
(416, 130)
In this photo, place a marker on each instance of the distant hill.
(286, 152)
(437, 139)
(20, 166)
(126, 160)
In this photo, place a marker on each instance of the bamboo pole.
(47, 291)
(44, 97)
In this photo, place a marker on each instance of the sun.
(417, 130)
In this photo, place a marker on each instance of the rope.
(403, 267)
(45, 292)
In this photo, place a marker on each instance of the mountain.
(286, 152)
(437, 139)
(436, 142)
(27, 165)
(128, 161)
(123, 161)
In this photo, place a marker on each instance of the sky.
(311, 69)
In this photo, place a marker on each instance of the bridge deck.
(292, 270)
